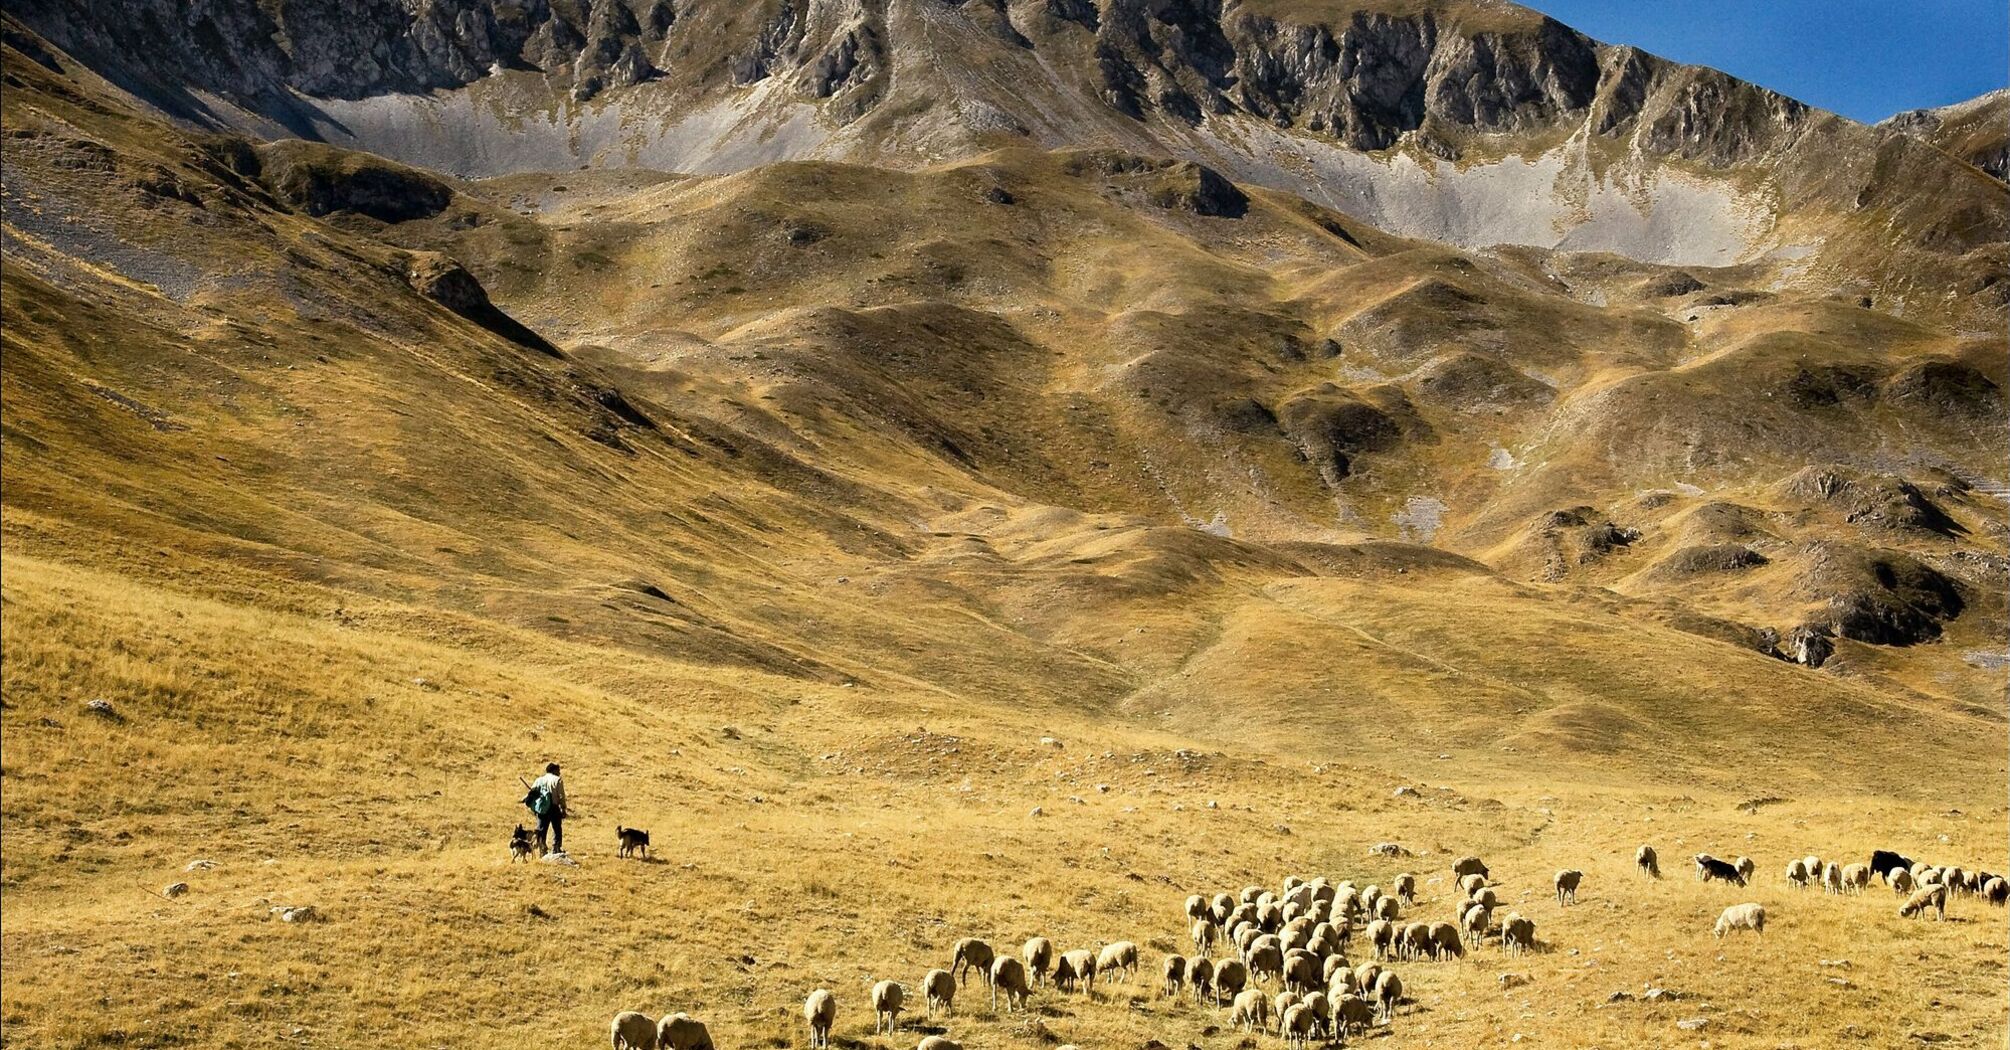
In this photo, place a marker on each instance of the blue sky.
(1865, 59)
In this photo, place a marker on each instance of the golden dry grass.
(827, 841)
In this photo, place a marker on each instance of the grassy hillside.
(792, 509)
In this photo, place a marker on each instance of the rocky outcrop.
(1977, 131)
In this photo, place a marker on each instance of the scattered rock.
(1284, 829)
(103, 709)
(175, 889)
(560, 858)
(1513, 980)
(1621, 996)
(1102, 789)
(1406, 791)
(1036, 812)
(296, 913)
(1212, 804)
(1836, 963)
(199, 864)
(1048, 741)
(1693, 1024)
(1842, 982)
(1389, 849)
(1656, 995)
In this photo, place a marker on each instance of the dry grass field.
(1006, 546)
(809, 835)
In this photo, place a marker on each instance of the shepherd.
(546, 799)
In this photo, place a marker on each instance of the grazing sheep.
(939, 989)
(1296, 1025)
(936, 1042)
(1445, 941)
(1410, 940)
(1404, 886)
(1200, 977)
(1265, 959)
(1118, 957)
(1322, 1011)
(1039, 955)
(1369, 895)
(1365, 974)
(1279, 1003)
(821, 1011)
(1172, 974)
(1295, 938)
(1243, 913)
(1927, 875)
(1230, 976)
(1797, 873)
(1902, 882)
(1292, 910)
(886, 999)
(1486, 898)
(1746, 866)
(1076, 970)
(1196, 907)
(1387, 908)
(1476, 920)
(1246, 935)
(1342, 983)
(1954, 878)
(1251, 893)
(1747, 916)
(1517, 934)
(1832, 877)
(1814, 864)
(1352, 1013)
(1270, 917)
(970, 953)
(1855, 877)
(682, 1032)
(1566, 886)
(1996, 890)
(1647, 861)
(1203, 935)
(1933, 896)
(1301, 971)
(1470, 866)
(1334, 964)
(1346, 901)
(1388, 992)
(633, 1031)
(1471, 884)
(1251, 1011)
(1009, 976)
(1381, 933)
(1710, 869)
(1220, 907)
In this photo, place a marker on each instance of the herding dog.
(520, 845)
(633, 841)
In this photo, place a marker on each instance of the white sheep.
(1855, 877)
(1749, 916)
(1931, 896)
(1387, 908)
(939, 989)
(1203, 935)
(1475, 921)
(970, 954)
(1009, 976)
(1265, 958)
(1445, 941)
(634, 1031)
(1404, 886)
(1388, 992)
(1647, 861)
(1076, 970)
(820, 1010)
(1517, 934)
(1746, 867)
(1039, 955)
(682, 1032)
(1797, 873)
(1301, 970)
(1902, 882)
(1486, 897)
(1118, 957)
(1296, 1025)
(1352, 1013)
(1196, 907)
(1251, 1011)
(1996, 890)
(886, 999)
(1173, 976)
(1381, 933)
(1832, 877)
(1279, 1003)
(1469, 866)
(1566, 886)
(1365, 974)
(1471, 884)
(1200, 977)
(937, 1042)
(1230, 975)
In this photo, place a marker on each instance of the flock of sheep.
(1297, 941)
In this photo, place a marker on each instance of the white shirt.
(551, 785)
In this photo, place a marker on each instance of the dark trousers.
(556, 826)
